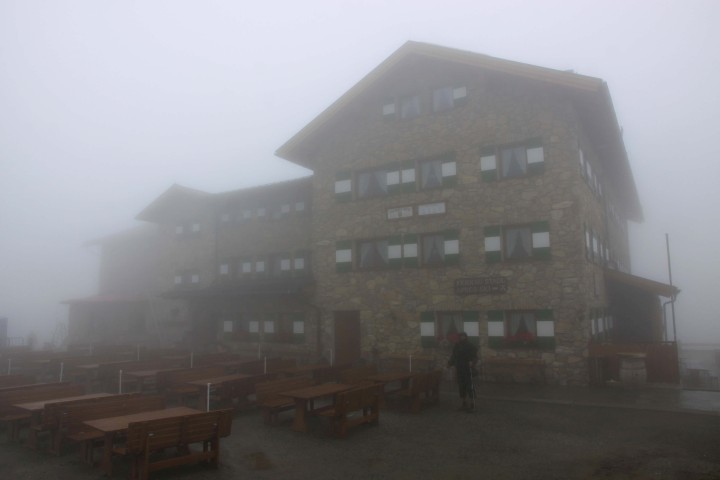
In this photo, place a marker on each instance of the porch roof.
(650, 286)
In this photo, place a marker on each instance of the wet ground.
(553, 434)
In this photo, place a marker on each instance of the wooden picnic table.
(391, 379)
(302, 369)
(202, 385)
(35, 409)
(143, 376)
(113, 426)
(305, 400)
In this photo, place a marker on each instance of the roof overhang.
(651, 286)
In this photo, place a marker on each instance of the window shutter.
(535, 157)
(343, 186)
(493, 245)
(392, 179)
(407, 176)
(451, 247)
(427, 330)
(298, 322)
(410, 250)
(449, 173)
(545, 327)
(471, 326)
(343, 256)
(488, 164)
(395, 251)
(540, 239)
(496, 328)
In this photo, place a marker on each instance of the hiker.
(464, 358)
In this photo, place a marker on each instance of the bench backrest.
(152, 435)
(36, 393)
(15, 380)
(265, 391)
(54, 411)
(174, 377)
(357, 375)
(72, 416)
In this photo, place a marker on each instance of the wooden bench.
(153, 436)
(15, 380)
(354, 407)
(357, 375)
(173, 383)
(424, 388)
(31, 393)
(71, 418)
(514, 370)
(269, 396)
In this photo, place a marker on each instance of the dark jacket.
(464, 353)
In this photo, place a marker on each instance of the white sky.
(105, 104)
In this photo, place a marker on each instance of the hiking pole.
(472, 388)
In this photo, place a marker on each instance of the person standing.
(464, 358)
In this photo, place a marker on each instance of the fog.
(104, 105)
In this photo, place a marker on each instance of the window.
(373, 254)
(284, 328)
(178, 279)
(224, 217)
(438, 172)
(224, 269)
(512, 161)
(443, 328)
(517, 243)
(409, 107)
(447, 98)
(179, 229)
(195, 227)
(521, 329)
(401, 251)
(372, 183)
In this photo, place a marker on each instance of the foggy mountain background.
(104, 105)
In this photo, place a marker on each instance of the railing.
(661, 360)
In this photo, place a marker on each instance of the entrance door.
(347, 337)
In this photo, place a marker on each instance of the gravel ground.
(500, 440)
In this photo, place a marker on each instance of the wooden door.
(347, 337)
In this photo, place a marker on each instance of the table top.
(390, 377)
(120, 423)
(316, 391)
(40, 405)
(202, 382)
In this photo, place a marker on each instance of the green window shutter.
(540, 239)
(496, 328)
(298, 320)
(343, 256)
(471, 325)
(488, 164)
(392, 179)
(545, 327)
(408, 176)
(493, 244)
(449, 172)
(410, 250)
(535, 156)
(427, 330)
(395, 251)
(451, 245)
(343, 186)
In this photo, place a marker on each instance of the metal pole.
(120, 382)
(62, 366)
(672, 304)
(207, 409)
(410, 361)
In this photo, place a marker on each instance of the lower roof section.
(285, 286)
(651, 286)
